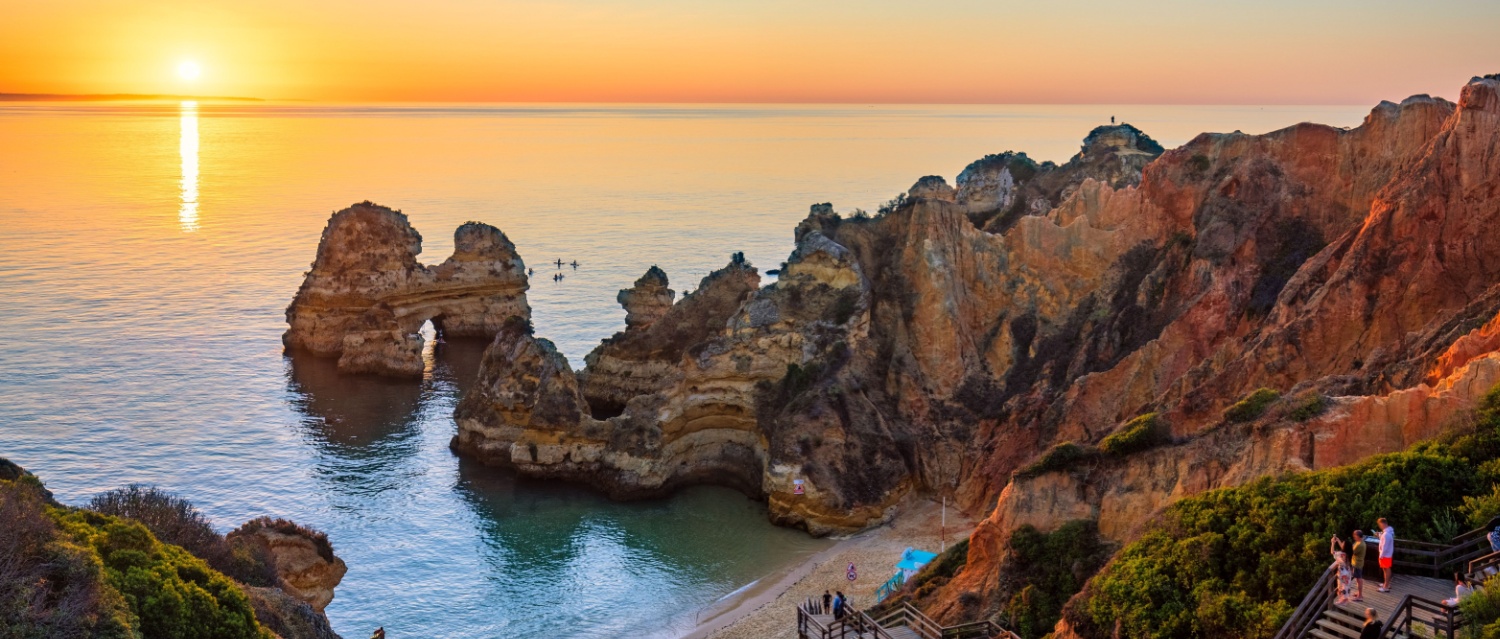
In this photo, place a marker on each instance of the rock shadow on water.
(370, 426)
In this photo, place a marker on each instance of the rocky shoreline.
(997, 340)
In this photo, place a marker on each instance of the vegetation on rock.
(67, 572)
(1048, 568)
(1136, 435)
(1233, 562)
(1252, 406)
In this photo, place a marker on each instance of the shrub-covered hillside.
(75, 573)
(1234, 563)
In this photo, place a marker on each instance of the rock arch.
(367, 296)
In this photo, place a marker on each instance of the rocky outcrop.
(288, 616)
(367, 296)
(304, 559)
(952, 340)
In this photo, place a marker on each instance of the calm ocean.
(148, 252)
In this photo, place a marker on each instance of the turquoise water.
(148, 253)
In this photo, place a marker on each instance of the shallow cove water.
(149, 250)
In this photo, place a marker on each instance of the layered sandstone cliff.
(367, 296)
(957, 337)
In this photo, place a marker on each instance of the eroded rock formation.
(367, 296)
(955, 338)
(305, 563)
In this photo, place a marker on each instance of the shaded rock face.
(367, 296)
(305, 563)
(947, 343)
(288, 616)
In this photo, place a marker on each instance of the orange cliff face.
(1392, 322)
(945, 343)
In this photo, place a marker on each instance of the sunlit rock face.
(951, 340)
(304, 560)
(367, 296)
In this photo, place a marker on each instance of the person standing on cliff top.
(1387, 551)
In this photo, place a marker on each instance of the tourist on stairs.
(1387, 551)
(827, 602)
(1357, 566)
(1373, 626)
(1340, 570)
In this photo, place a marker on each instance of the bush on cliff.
(1252, 406)
(176, 521)
(1482, 610)
(1049, 568)
(1234, 562)
(1136, 435)
(1057, 458)
(67, 572)
(171, 593)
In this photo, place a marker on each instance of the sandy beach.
(768, 610)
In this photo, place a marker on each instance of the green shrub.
(1482, 610)
(171, 593)
(1252, 406)
(944, 566)
(50, 586)
(1233, 562)
(1482, 508)
(1047, 568)
(1199, 163)
(1057, 458)
(174, 520)
(1308, 407)
(1136, 435)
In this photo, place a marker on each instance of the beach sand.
(768, 610)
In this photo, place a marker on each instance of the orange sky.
(991, 51)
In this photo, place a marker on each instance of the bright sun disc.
(189, 70)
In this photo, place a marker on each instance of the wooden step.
(1348, 617)
(1332, 626)
(1322, 634)
(902, 632)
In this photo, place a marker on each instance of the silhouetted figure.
(1111, 119)
(559, 263)
(531, 271)
(827, 600)
(575, 265)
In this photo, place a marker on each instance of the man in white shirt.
(1387, 551)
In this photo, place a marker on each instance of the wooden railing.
(1311, 608)
(1478, 568)
(1442, 560)
(1440, 620)
(857, 625)
(1464, 553)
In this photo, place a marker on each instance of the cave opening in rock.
(605, 409)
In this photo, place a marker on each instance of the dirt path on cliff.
(770, 611)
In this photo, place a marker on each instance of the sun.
(189, 70)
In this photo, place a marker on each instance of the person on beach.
(1357, 566)
(1373, 626)
(1340, 570)
(827, 601)
(1387, 551)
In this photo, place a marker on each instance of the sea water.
(148, 251)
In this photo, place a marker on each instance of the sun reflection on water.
(187, 212)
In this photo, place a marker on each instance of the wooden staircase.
(902, 622)
(1422, 580)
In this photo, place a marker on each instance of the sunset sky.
(961, 51)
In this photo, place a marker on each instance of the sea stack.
(367, 296)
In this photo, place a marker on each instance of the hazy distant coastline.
(111, 97)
